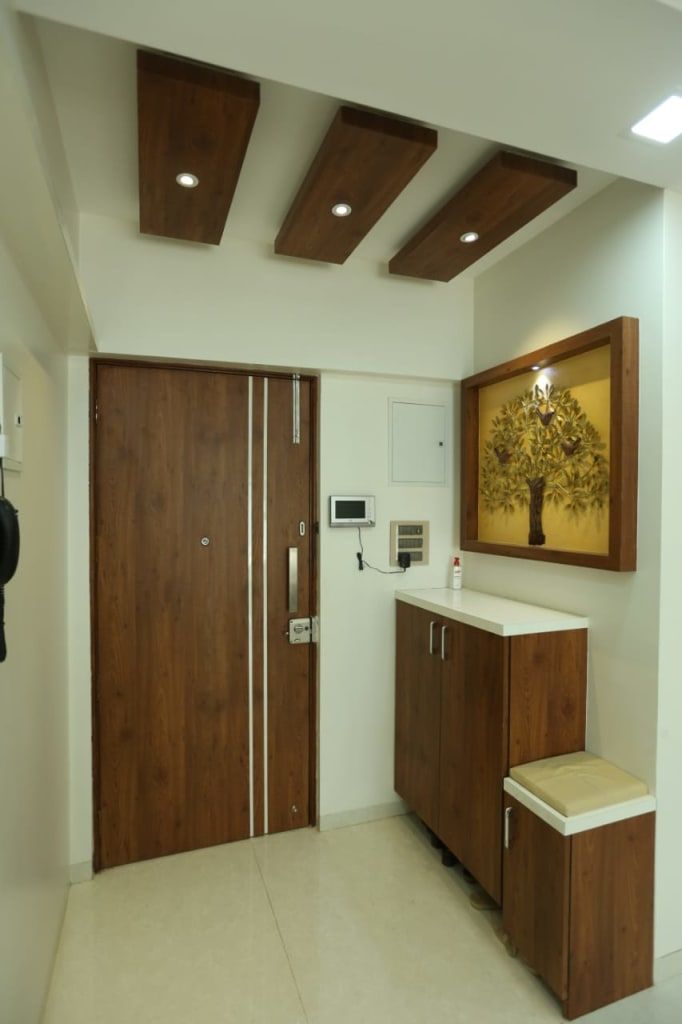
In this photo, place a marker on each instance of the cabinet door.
(536, 893)
(417, 711)
(473, 752)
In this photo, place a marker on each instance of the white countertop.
(579, 822)
(493, 614)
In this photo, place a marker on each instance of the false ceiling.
(94, 84)
(191, 117)
(564, 79)
(365, 160)
(507, 193)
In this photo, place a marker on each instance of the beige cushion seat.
(579, 782)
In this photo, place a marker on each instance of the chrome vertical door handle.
(293, 580)
(431, 629)
(443, 631)
(296, 411)
(507, 827)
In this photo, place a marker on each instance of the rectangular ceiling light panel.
(502, 197)
(194, 125)
(664, 123)
(363, 164)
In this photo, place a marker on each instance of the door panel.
(536, 894)
(171, 613)
(473, 751)
(201, 707)
(288, 490)
(417, 711)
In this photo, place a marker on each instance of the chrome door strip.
(249, 558)
(265, 605)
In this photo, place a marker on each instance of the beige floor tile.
(377, 930)
(362, 924)
(182, 939)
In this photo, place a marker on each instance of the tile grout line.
(281, 937)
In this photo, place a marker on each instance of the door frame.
(314, 659)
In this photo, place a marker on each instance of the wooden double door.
(204, 548)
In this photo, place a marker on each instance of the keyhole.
(205, 541)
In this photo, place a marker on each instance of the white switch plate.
(412, 537)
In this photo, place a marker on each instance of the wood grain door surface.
(289, 504)
(611, 929)
(417, 712)
(537, 867)
(189, 711)
(473, 750)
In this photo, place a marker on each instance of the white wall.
(33, 681)
(80, 677)
(29, 68)
(669, 771)
(358, 608)
(239, 303)
(42, 315)
(603, 261)
(39, 229)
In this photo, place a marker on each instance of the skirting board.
(361, 814)
(81, 872)
(669, 966)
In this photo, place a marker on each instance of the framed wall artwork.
(549, 452)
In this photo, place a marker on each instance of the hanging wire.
(363, 562)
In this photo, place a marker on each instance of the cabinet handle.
(507, 827)
(431, 628)
(442, 642)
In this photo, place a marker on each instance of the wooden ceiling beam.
(194, 119)
(365, 161)
(501, 198)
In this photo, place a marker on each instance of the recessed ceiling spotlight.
(535, 367)
(187, 180)
(664, 123)
(342, 209)
(468, 237)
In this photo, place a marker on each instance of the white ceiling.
(565, 78)
(93, 80)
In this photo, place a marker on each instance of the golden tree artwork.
(542, 449)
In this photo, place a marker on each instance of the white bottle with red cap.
(456, 578)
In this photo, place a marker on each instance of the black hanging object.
(3, 642)
(9, 553)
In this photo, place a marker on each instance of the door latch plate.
(303, 631)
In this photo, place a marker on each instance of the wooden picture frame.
(622, 337)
